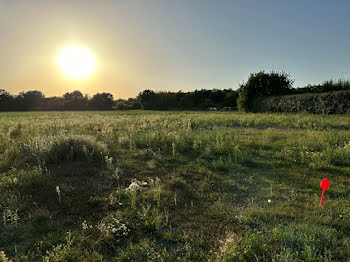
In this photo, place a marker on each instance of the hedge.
(337, 102)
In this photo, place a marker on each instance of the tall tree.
(6, 101)
(75, 101)
(31, 100)
(101, 101)
(147, 99)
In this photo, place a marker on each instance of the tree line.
(35, 100)
(196, 100)
(259, 85)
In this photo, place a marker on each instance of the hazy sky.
(171, 45)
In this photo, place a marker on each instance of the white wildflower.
(134, 186)
(85, 225)
(58, 193)
(112, 226)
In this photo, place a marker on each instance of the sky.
(171, 45)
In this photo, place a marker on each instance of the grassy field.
(173, 186)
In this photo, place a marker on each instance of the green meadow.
(173, 186)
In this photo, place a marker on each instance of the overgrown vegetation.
(56, 149)
(273, 92)
(317, 103)
(173, 186)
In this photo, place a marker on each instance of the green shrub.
(325, 103)
(262, 84)
(56, 149)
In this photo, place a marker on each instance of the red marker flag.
(324, 186)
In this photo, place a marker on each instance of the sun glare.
(76, 62)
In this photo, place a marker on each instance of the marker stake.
(324, 186)
(322, 198)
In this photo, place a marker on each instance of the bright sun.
(76, 62)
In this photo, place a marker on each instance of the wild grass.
(56, 149)
(173, 186)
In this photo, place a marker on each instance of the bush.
(56, 149)
(325, 103)
(262, 84)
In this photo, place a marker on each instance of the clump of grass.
(56, 149)
(226, 250)
(31, 177)
(15, 131)
(308, 241)
(158, 190)
(61, 251)
(246, 248)
(145, 250)
(4, 142)
(10, 217)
